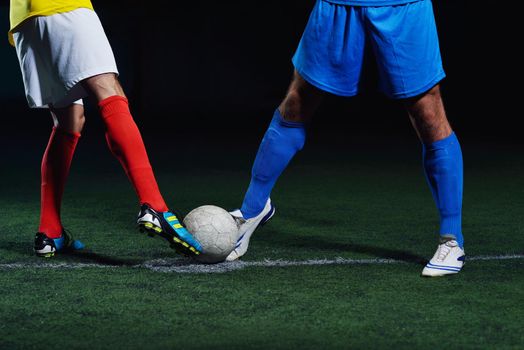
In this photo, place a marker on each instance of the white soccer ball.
(215, 229)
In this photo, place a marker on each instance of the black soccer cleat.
(168, 226)
(47, 247)
(44, 246)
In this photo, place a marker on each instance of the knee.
(70, 119)
(301, 101)
(428, 108)
(79, 122)
(292, 107)
(296, 107)
(427, 116)
(73, 125)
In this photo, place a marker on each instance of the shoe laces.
(444, 249)
(443, 252)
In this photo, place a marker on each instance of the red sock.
(55, 168)
(124, 140)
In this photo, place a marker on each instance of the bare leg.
(103, 86)
(301, 101)
(70, 119)
(428, 116)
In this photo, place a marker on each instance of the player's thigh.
(330, 54)
(103, 85)
(60, 51)
(95, 55)
(426, 105)
(405, 42)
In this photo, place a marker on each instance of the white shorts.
(57, 52)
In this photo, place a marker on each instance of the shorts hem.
(412, 93)
(323, 86)
(70, 85)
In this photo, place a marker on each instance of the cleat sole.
(46, 255)
(180, 246)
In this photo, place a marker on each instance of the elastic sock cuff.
(287, 123)
(110, 99)
(108, 107)
(445, 142)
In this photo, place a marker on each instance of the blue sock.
(281, 142)
(444, 173)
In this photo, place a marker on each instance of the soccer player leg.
(405, 41)
(443, 167)
(68, 124)
(284, 137)
(125, 142)
(280, 143)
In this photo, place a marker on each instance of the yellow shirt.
(21, 10)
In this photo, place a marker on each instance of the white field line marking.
(189, 266)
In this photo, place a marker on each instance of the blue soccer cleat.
(168, 226)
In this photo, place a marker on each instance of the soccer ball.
(215, 229)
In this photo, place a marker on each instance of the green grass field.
(132, 292)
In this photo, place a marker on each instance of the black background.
(210, 70)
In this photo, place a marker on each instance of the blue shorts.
(403, 39)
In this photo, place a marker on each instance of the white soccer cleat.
(448, 259)
(247, 227)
